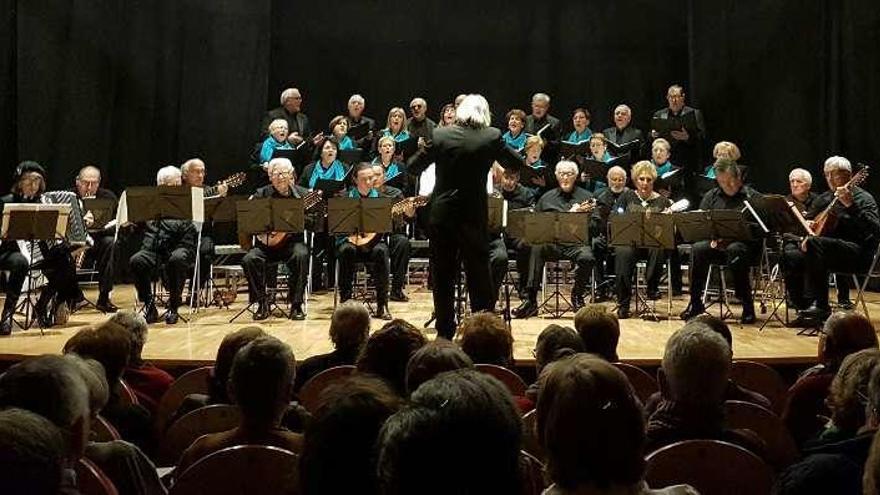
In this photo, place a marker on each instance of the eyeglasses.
(566, 174)
(282, 175)
(416, 106)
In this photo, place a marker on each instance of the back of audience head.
(136, 325)
(230, 345)
(108, 344)
(556, 342)
(464, 417)
(871, 481)
(695, 367)
(715, 324)
(486, 339)
(388, 350)
(350, 327)
(261, 380)
(590, 424)
(599, 330)
(848, 396)
(434, 358)
(32, 454)
(93, 375)
(843, 334)
(53, 387)
(343, 433)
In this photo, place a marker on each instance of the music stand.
(346, 216)
(497, 222)
(29, 223)
(551, 227)
(264, 216)
(102, 210)
(641, 229)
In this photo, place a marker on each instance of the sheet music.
(122, 210)
(427, 180)
(198, 204)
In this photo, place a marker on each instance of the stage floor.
(196, 342)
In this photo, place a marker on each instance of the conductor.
(464, 153)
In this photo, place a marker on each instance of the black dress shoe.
(382, 312)
(297, 313)
(105, 306)
(526, 309)
(6, 326)
(653, 294)
(691, 311)
(846, 305)
(151, 314)
(804, 322)
(816, 313)
(748, 315)
(623, 313)
(262, 311)
(398, 296)
(171, 317)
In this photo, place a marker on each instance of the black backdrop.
(131, 85)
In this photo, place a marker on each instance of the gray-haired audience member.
(32, 454)
(148, 382)
(349, 329)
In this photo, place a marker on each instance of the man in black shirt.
(398, 240)
(567, 197)
(88, 185)
(687, 129)
(356, 118)
(605, 200)
(193, 174)
(517, 197)
(730, 194)
(291, 111)
(622, 132)
(169, 245)
(289, 249)
(541, 118)
(420, 126)
(800, 182)
(849, 246)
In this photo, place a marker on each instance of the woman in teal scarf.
(327, 167)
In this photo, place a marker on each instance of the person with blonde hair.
(723, 150)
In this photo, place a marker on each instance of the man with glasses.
(290, 250)
(420, 125)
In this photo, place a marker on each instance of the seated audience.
(838, 467)
(554, 343)
(693, 378)
(486, 339)
(461, 434)
(388, 350)
(599, 330)
(871, 478)
(349, 329)
(592, 428)
(842, 334)
(32, 454)
(338, 454)
(847, 396)
(261, 385)
(148, 382)
(431, 360)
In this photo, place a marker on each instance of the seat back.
(781, 448)
(251, 469)
(762, 379)
(530, 442)
(310, 393)
(533, 480)
(90, 480)
(103, 431)
(126, 394)
(710, 466)
(642, 382)
(180, 435)
(195, 381)
(510, 379)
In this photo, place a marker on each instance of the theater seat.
(185, 431)
(642, 382)
(90, 480)
(192, 382)
(781, 449)
(250, 469)
(510, 379)
(762, 379)
(310, 393)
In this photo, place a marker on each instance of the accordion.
(77, 233)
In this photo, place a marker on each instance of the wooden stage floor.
(196, 342)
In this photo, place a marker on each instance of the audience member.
(148, 382)
(388, 350)
(349, 329)
(847, 397)
(339, 454)
(592, 428)
(599, 330)
(554, 343)
(261, 385)
(461, 434)
(32, 454)
(843, 334)
(434, 358)
(871, 478)
(486, 339)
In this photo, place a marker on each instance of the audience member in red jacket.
(148, 382)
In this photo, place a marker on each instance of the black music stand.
(640, 229)
(31, 224)
(262, 216)
(102, 210)
(551, 227)
(346, 216)
(708, 225)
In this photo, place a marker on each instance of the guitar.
(365, 240)
(826, 221)
(276, 240)
(230, 182)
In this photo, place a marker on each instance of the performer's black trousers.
(828, 255)
(293, 254)
(17, 266)
(450, 245)
(376, 257)
(581, 256)
(738, 257)
(145, 264)
(498, 257)
(399, 247)
(625, 269)
(60, 271)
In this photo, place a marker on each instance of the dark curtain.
(8, 135)
(132, 85)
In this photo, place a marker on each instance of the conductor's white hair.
(356, 98)
(473, 112)
(192, 162)
(801, 174)
(837, 163)
(542, 97)
(696, 363)
(564, 165)
(167, 174)
(289, 93)
(283, 164)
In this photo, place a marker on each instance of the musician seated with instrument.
(567, 197)
(168, 245)
(643, 199)
(518, 197)
(88, 186)
(730, 194)
(193, 174)
(605, 201)
(287, 248)
(800, 183)
(398, 240)
(847, 230)
(370, 248)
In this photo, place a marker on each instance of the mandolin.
(231, 182)
(826, 221)
(364, 240)
(276, 240)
